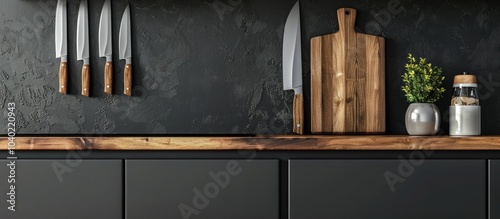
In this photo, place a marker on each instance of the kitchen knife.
(105, 45)
(292, 66)
(82, 46)
(125, 50)
(61, 36)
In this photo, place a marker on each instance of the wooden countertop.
(308, 142)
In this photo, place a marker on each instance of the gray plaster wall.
(215, 67)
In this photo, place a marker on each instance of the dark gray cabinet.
(243, 189)
(61, 189)
(494, 189)
(361, 189)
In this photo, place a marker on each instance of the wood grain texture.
(127, 80)
(347, 80)
(347, 63)
(257, 143)
(63, 78)
(375, 84)
(298, 114)
(327, 84)
(316, 81)
(86, 80)
(108, 78)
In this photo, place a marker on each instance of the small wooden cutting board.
(347, 80)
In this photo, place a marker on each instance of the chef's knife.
(82, 46)
(125, 50)
(292, 66)
(105, 45)
(62, 45)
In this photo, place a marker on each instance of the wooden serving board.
(347, 80)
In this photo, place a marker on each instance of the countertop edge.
(221, 143)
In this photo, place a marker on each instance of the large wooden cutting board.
(347, 80)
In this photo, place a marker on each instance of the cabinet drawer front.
(61, 189)
(356, 189)
(494, 188)
(202, 189)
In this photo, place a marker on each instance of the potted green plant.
(422, 85)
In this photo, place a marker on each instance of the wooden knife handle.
(63, 78)
(298, 114)
(108, 78)
(127, 79)
(86, 80)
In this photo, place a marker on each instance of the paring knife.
(292, 66)
(125, 50)
(82, 46)
(61, 36)
(105, 45)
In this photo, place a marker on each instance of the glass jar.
(465, 111)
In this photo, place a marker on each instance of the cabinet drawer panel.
(494, 189)
(359, 189)
(202, 189)
(61, 189)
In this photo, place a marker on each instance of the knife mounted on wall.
(61, 38)
(292, 66)
(106, 45)
(82, 46)
(125, 51)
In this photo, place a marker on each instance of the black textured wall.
(214, 67)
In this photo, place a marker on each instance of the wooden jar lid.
(465, 78)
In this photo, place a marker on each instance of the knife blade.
(292, 66)
(82, 46)
(61, 38)
(105, 45)
(125, 50)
